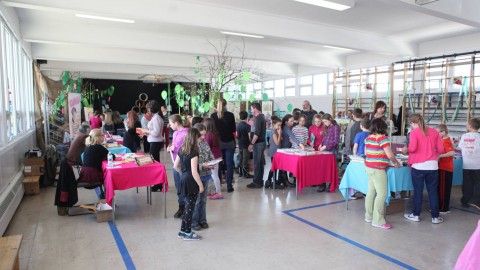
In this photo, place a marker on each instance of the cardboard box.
(395, 206)
(103, 211)
(31, 185)
(34, 166)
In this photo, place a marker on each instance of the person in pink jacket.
(424, 148)
(315, 136)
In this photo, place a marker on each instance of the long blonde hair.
(94, 137)
(221, 103)
(108, 118)
(190, 142)
(418, 119)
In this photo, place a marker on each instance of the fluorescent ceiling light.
(240, 34)
(104, 18)
(338, 48)
(337, 5)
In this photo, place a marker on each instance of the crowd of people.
(196, 141)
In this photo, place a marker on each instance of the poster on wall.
(74, 113)
(88, 112)
(267, 110)
(234, 107)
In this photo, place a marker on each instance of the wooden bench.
(9, 249)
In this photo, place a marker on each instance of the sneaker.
(230, 190)
(253, 185)
(474, 206)
(437, 220)
(445, 212)
(192, 237)
(216, 196)
(368, 220)
(412, 217)
(181, 234)
(383, 226)
(204, 225)
(196, 227)
(353, 197)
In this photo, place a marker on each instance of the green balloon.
(201, 110)
(243, 88)
(265, 96)
(181, 103)
(164, 94)
(289, 108)
(187, 97)
(206, 107)
(178, 89)
(226, 96)
(251, 98)
(240, 97)
(246, 76)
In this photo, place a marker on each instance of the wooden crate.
(31, 184)
(9, 250)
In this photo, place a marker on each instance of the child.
(445, 170)
(359, 141)
(470, 145)
(243, 136)
(275, 140)
(212, 139)
(315, 136)
(200, 213)
(186, 163)
(179, 133)
(352, 130)
(300, 132)
(378, 152)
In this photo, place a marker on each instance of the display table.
(309, 170)
(355, 176)
(118, 138)
(128, 175)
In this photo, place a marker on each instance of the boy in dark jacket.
(243, 136)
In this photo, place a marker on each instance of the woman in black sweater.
(131, 139)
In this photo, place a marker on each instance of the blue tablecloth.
(119, 150)
(457, 172)
(355, 177)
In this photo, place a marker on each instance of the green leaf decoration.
(264, 96)
(206, 107)
(181, 103)
(187, 97)
(251, 98)
(65, 77)
(226, 96)
(240, 97)
(179, 89)
(197, 58)
(85, 102)
(289, 108)
(64, 103)
(164, 94)
(61, 96)
(243, 88)
(201, 109)
(111, 90)
(246, 76)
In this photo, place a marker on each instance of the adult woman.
(93, 156)
(379, 111)
(287, 139)
(130, 138)
(331, 133)
(147, 116)
(424, 148)
(225, 124)
(118, 123)
(108, 127)
(166, 126)
(315, 137)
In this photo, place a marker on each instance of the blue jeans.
(176, 178)
(430, 179)
(228, 157)
(259, 162)
(200, 212)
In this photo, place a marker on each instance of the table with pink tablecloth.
(469, 259)
(309, 170)
(128, 175)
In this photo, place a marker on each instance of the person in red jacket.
(424, 148)
(445, 170)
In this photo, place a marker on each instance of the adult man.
(308, 112)
(258, 145)
(74, 154)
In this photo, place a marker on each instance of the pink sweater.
(423, 148)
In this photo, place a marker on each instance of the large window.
(16, 95)
(290, 87)
(279, 88)
(320, 84)
(269, 88)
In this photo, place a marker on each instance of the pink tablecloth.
(309, 170)
(469, 259)
(129, 175)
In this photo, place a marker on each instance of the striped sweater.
(375, 155)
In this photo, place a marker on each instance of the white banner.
(74, 111)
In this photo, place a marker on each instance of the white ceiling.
(168, 34)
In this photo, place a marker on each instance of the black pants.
(444, 190)
(155, 150)
(146, 145)
(272, 175)
(471, 187)
(190, 201)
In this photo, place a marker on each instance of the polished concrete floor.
(249, 229)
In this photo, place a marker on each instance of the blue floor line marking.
(121, 247)
(465, 210)
(119, 241)
(356, 244)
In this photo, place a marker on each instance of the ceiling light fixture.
(104, 18)
(240, 34)
(339, 5)
(338, 48)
